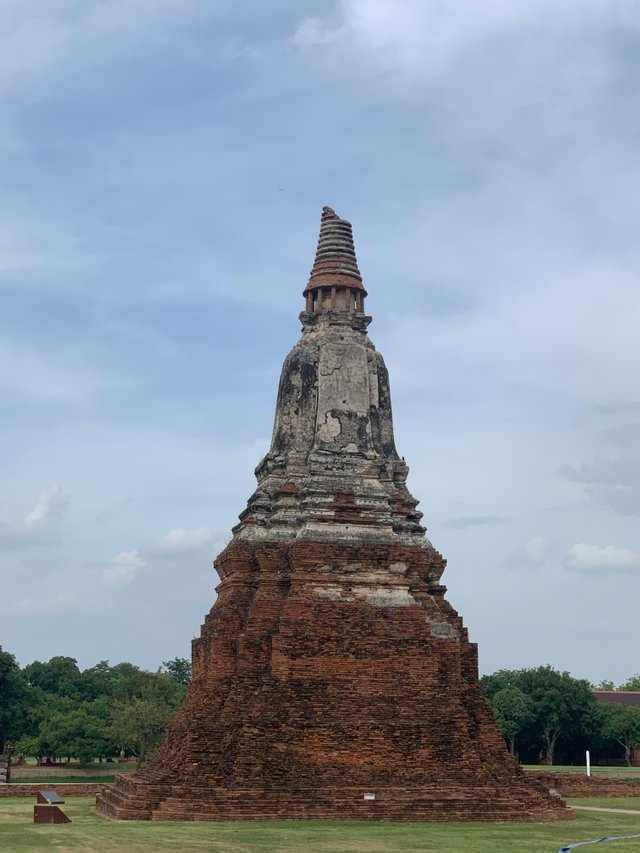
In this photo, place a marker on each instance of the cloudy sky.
(163, 167)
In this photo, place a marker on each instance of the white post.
(588, 763)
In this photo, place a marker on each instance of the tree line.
(53, 710)
(546, 715)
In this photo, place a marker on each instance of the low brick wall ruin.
(567, 784)
(29, 772)
(66, 789)
(581, 785)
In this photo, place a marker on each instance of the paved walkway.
(603, 809)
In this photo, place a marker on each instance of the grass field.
(89, 833)
(608, 802)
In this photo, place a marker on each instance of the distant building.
(620, 697)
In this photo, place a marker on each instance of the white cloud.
(50, 504)
(180, 541)
(631, 407)
(45, 604)
(40, 38)
(613, 476)
(39, 525)
(428, 35)
(124, 567)
(313, 31)
(535, 550)
(466, 521)
(586, 556)
(50, 374)
(33, 243)
(532, 553)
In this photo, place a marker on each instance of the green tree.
(605, 684)
(145, 704)
(60, 675)
(632, 683)
(562, 706)
(51, 708)
(499, 680)
(14, 699)
(138, 725)
(513, 712)
(562, 709)
(75, 730)
(622, 724)
(179, 669)
(28, 745)
(96, 681)
(124, 670)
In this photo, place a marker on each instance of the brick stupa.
(332, 679)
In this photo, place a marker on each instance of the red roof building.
(620, 697)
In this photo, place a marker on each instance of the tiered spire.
(332, 471)
(335, 282)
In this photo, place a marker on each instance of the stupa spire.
(335, 283)
(332, 457)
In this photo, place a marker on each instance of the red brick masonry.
(309, 692)
(581, 785)
(49, 814)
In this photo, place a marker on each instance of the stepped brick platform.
(332, 679)
(433, 803)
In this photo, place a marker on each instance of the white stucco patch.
(332, 593)
(330, 428)
(442, 630)
(385, 596)
(382, 596)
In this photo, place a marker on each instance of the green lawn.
(607, 802)
(90, 833)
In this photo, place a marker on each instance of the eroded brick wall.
(581, 785)
(325, 671)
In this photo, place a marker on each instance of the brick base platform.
(324, 672)
(131, 800)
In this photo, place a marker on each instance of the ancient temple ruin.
(331, 678)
